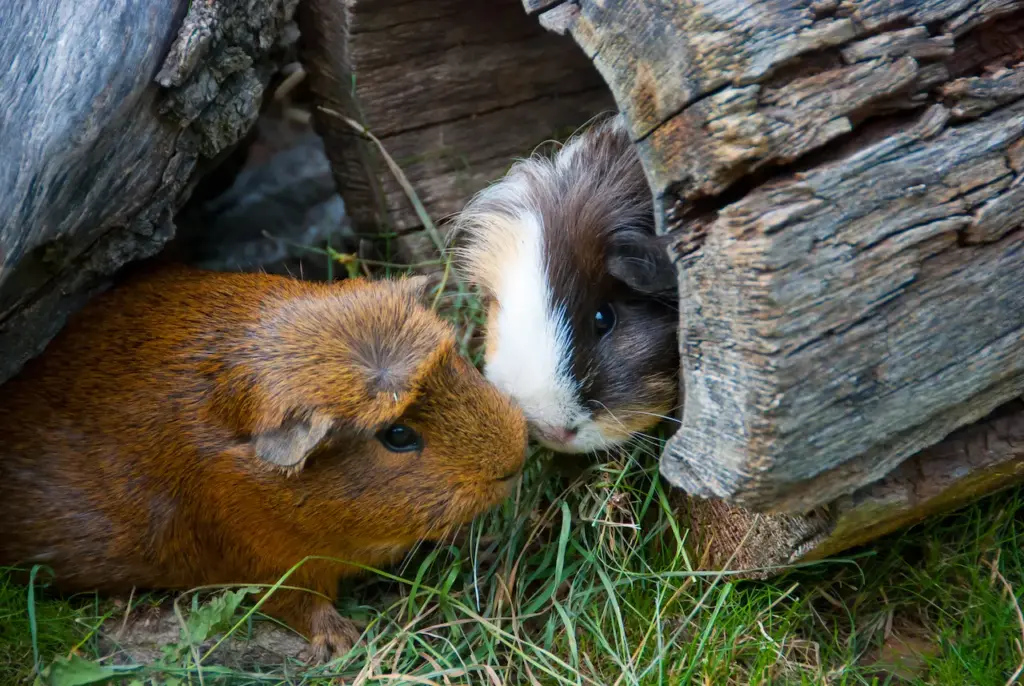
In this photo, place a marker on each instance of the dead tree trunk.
(845, 181)
(110, 112)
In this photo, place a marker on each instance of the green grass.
(587, 582)
(585, 577)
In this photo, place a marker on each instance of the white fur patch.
(532, 358)
(529, 351)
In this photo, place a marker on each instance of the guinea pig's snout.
(556, 434)
(559, 438)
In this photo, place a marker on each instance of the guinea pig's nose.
(557, 434)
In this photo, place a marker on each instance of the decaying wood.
(974, 461)
(110, 111)
(454, 89)
(843, 178)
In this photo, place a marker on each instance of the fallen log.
(844, 181)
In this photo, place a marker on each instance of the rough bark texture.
(454, 89)
(844, 320)
(110, 112)
(844, 178)
(976, 460)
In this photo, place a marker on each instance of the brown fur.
(193, 428)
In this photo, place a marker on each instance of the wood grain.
(98, 155)
(455, 90)
(836, 323)
(976, 460)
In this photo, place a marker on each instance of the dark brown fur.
(601, 248)
(595, 209)
(194, 428)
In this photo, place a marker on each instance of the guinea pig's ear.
(289, 445)
(641, 261)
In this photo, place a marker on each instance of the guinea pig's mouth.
(590, 437)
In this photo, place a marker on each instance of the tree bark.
(111, 112)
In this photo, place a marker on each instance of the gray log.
(110, 112)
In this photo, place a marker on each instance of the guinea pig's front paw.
(330, 634)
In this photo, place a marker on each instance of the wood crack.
(678, 111)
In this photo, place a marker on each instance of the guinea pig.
(190, 428)
(582, 298)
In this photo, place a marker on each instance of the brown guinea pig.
(582, 296)
(192, 428)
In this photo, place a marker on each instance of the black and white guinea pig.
(582, 298)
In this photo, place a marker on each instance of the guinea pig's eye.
(398, 438)
(604, 319)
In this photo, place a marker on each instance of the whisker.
(641, 439)
(611, 414)
(653, 414)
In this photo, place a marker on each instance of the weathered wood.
(974, 461)
(843, 180)
(538, 6)
(455, 89)
(848, 305)
(96, 155)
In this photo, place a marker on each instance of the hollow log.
(111, 113)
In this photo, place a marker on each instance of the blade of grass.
(410, 193)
